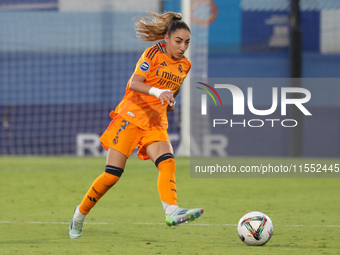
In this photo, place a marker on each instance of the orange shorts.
(124, 137)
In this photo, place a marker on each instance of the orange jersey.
(160, 71)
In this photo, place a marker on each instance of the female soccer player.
(140, 119)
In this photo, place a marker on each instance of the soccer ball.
(255, 228)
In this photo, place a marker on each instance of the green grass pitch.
(39, 194)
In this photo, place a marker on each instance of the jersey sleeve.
(188, 64)
(146, 62)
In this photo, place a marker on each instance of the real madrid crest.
(180, 68)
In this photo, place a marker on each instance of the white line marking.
(159, 223)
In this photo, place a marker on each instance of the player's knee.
(113, 173)
(167, 157)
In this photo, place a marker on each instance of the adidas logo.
(92, 199)
(164, 64)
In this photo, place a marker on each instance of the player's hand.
(167, 97)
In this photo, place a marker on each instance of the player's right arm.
(137, 84)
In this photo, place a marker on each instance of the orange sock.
(167, 181)
(99, 187)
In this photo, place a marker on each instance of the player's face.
(177, 43)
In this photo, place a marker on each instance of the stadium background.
(65, 65)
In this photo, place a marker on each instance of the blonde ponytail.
(155, 28)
